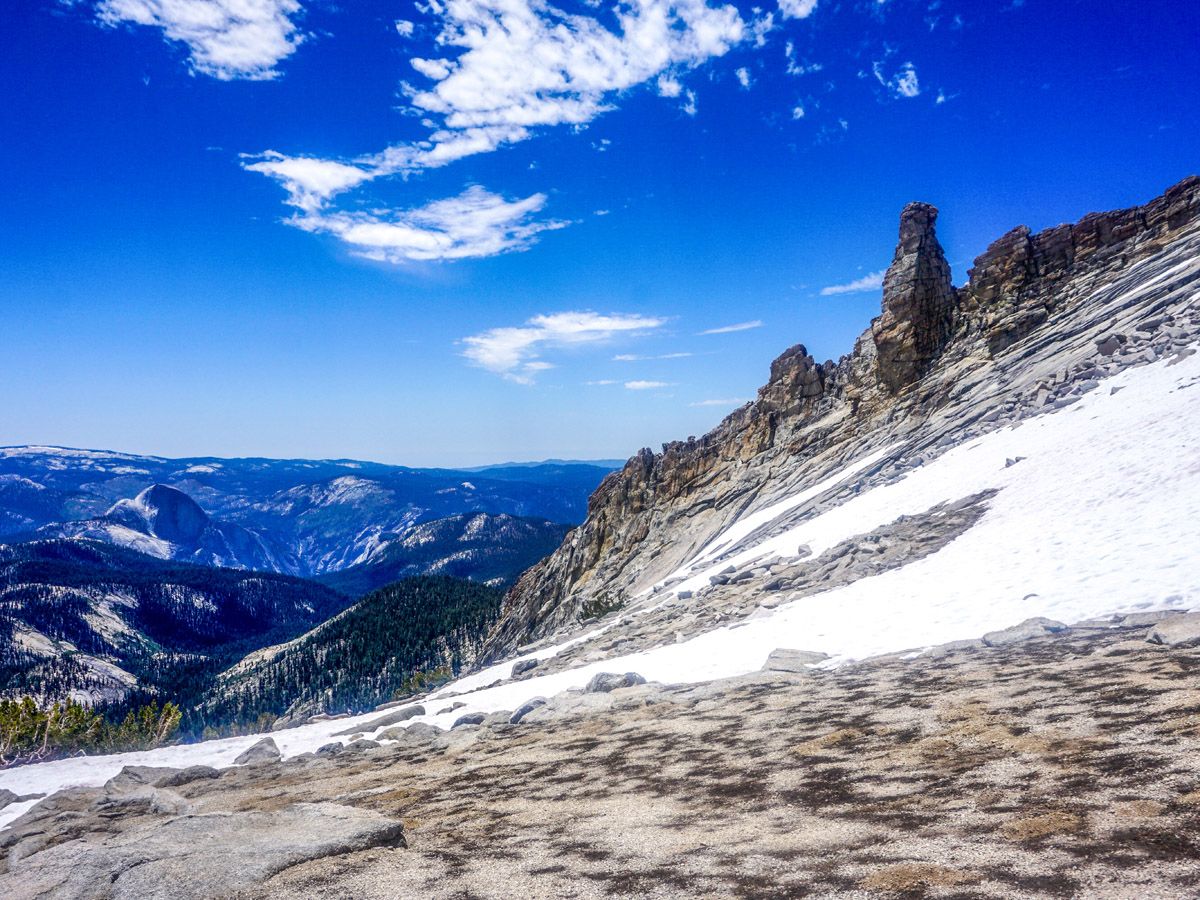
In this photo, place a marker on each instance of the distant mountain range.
(482, 547)
(299, 517)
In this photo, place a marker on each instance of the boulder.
(265, 751)
(362, 744)
(1177, 631)
(784, 660)
(525, 709)
(133, 777)
(330, 749)
(521, 666)
(187, 776)
(191, 857)
(603, 682)
(1039, 626)
(475, 718)
(416, 733)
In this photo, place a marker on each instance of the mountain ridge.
(908, 366)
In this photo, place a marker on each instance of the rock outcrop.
(919, 302)
(936, 359)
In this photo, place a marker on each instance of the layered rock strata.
(1028, 327)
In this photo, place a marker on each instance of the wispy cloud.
(904, 83)
(729, 329)
(734, 401)
(513, 352)
(474, 224)
(646, 385)
(227, 39)
(871, 282)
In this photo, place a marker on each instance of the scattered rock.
(525, 709)
(187, 776)
(785, 660)
(1142, 619)
(265, 751)
(1039, 626)
(392, 718)
(458, 704)
(603, 682)
(1177, 631)
(954, 647)
(416, 733)
(1110, 344)
(132, 777)
(520, 667)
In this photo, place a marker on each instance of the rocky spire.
(919, 302)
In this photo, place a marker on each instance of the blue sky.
(452, 233)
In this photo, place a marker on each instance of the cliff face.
(905, 370)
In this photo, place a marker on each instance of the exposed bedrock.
(919, 302)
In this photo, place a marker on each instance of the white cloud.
(474, 224)
(797, 9)
(511, 67)
(743, 77)
(871, 282)
(513, 351)
(309, 182)
(735, 401)
(227, 39)
(404, 28)
(668, 86)
(903, 84)
(729, 329)
(797, 112)
(646, 385)
(602, 381)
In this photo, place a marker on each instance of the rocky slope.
(1042, 317)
